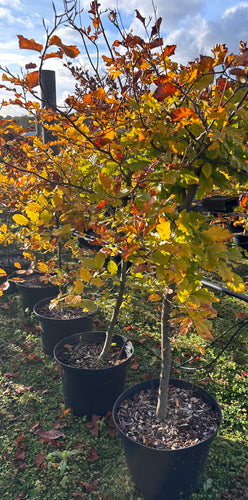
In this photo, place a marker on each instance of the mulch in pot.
(35, 281)
(85, 355)
(190, 420)
(68, 312)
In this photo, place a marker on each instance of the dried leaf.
(92, 456)
(49, 435)
(24, 43)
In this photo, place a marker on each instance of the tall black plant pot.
(93, 391)
(55, 329)
(32, 294)
(166, 474)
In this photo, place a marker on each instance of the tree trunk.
(161, 410)
(119, 300)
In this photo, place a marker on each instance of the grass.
(71, 461)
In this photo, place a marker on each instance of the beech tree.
(139, 143)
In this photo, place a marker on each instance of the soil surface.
(85, 355)
(61, 313)
(189, 420)
(36, 281)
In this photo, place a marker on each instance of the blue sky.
(194, 25)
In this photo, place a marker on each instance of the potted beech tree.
(141, 143)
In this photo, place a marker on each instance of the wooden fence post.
(48, 97)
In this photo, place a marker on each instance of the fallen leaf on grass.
(14, 375)
(135, 365)
(21, 495)
(110, 424)
(93, 425)
(92, 456)
(22, 388)
(87, 486)
(4, 306)
(49, 435)
(39, 459)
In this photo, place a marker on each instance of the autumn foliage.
(140, 142)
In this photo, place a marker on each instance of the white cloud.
(14, 3)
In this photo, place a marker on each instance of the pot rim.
(66, 340)
(172, 381)
(47, 299)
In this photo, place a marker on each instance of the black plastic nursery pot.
(241, 240)
(93, 391)
(31, 294)
(53, 329)
(166, 474)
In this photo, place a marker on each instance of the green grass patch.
(72, 461)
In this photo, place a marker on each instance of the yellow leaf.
(218, 233)
(42, 267)
(99, 260)
(84, 274)
(78, 287)
(203, 329)
(21, 220)
(97, 282)
(17, 265)
(154, 297)
(164, 229)
(2, 272)
(34, 207)
(112, 267)
(4, 228)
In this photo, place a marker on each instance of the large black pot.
(166, 474)
(31, 295)
(8, 265)
(53, 329)
(241, 239)
(88, 391)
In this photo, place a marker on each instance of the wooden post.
(48, 97)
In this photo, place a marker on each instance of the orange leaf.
(169, 50)
(181, 113)
(164, 90)
(24, 43)
(32, 79)
(70, 50)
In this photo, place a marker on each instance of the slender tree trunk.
(119, 300)
(161, 410)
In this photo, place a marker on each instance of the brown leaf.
(31, 66)
(20, 455)
(156, 27)
(87, 486)
(39, 459)
(93, 425)
(135, 365)
(21, 495)
(49, 435)
(164, 90)
(140, 17)
(92, 456)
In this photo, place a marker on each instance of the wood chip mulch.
(189, 420)
(85, 355)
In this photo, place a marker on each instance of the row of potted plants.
(137, 148)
